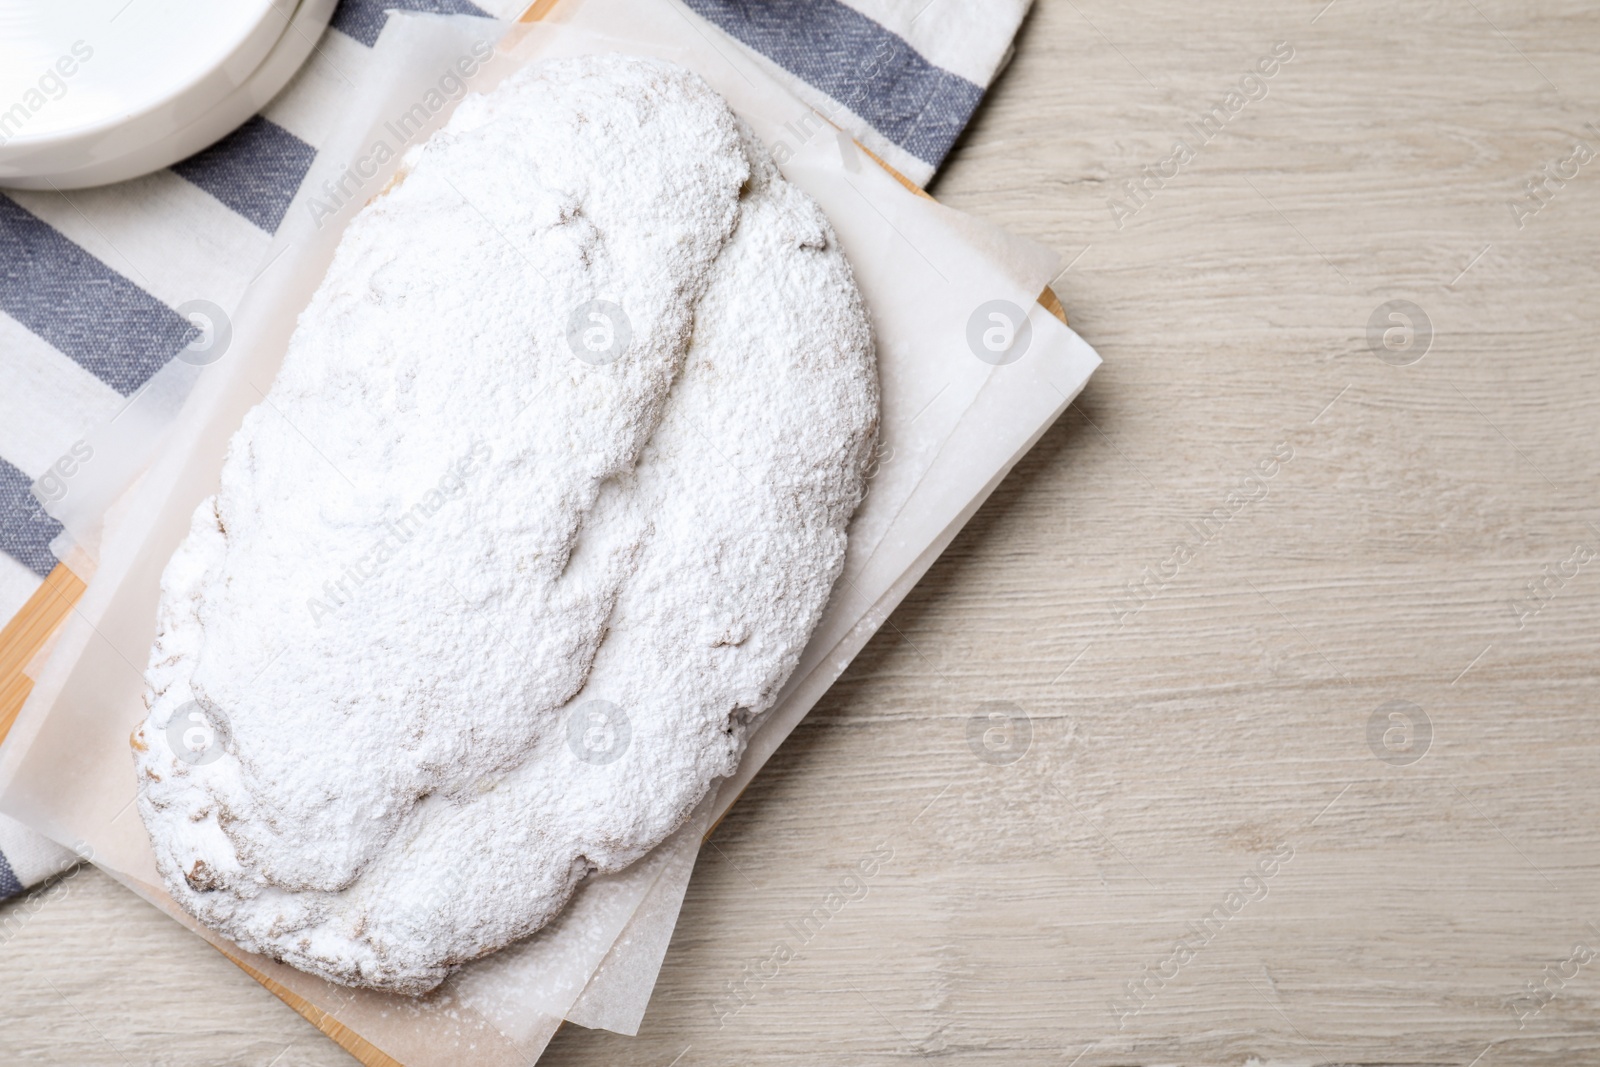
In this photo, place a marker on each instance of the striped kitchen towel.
(903, 76)
(95, 283)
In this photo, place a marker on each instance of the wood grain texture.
(26, 634)
(1176, 737)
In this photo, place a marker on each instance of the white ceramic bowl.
(100, 91)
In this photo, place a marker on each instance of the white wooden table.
(1200, 651)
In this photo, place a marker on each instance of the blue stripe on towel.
(255, 170)
(873, 72)
(25, 531)
(10, 886)
(364, 19)
(109, 326)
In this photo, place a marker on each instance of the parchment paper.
(952, 425)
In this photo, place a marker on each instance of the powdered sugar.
(442, 533)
